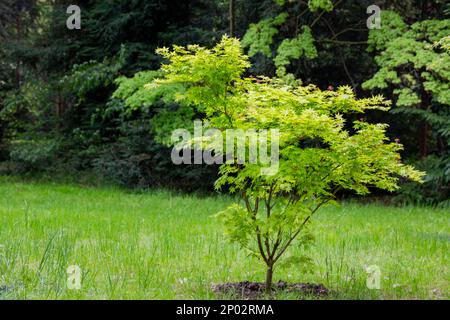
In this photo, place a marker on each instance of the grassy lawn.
(158, 245)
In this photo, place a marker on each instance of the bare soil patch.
(255, 290)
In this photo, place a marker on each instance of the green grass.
(159, 245)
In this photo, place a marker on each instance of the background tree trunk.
(424, 129)
(423, 139)
(232, 18)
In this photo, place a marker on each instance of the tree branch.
(288, 243)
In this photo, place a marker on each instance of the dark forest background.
(58, 117)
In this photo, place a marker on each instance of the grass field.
(158, 245)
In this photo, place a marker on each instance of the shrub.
(136, 160)
(31, 154)
(435, 190)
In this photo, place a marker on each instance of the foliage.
(393, 27)
(317, 157)
(56, 84)
(302, 40)
(421, 68)
(30, 154)
(91, 75)
(444, 43)
(259, 36)
(436, 187)
(260, 39)
(290, 49)
(409, 62)
(158, 102)
(136, 160)
(315, 5)
(417, 72)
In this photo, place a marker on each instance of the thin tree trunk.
(269, 277)
(17, 72)
(424, 130)
(232, 18)
(423, 140)
(440, 145)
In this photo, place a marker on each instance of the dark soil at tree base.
(254, 290)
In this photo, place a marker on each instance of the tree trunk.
(440, 145)
(424, 129)
(269, 277)
(232, 17)
(17, 72)
(423, 140)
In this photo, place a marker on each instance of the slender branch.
(258, 232)
(297, 19)
(341, 56)
(247, 202)
(335, 35)
(277, 244)
(288, 243)
(343, 42)
(268, 209)
(322, 13)
(267, 245)
(269, 199)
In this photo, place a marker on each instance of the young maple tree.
(318, 155)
